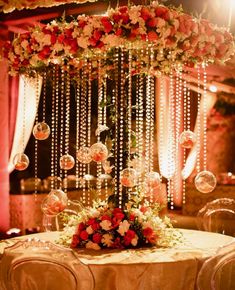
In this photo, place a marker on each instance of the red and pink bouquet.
(117, 228)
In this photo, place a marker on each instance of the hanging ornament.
(205, 181)
(55, 202)
(84, 155)
(128, 177)
(152, 180)
(41, 131)
(187, 139)
(99, 152)
(21, 161)
(67, 162)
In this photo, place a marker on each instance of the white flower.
(123, 227)
(106, 225)
(89, 230)
(93, 246)
(107, 240)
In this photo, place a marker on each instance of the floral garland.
(10, 5)
(175, 37)
(101, 227)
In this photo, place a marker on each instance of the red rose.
(106, 218)
(127, 240)
(118, 32)
(107, 24)
(45, 52)
(75, 241)
(147, 232)
(130, 234)
(84, 235)
(53, 38)
(162, 12)
(96, 238)
(125, 18)
(143, 209)
(145, 13)
(132, 217)
(123, 9)
(152, 36)
(81, 226)
(116, 17)
(152, 22)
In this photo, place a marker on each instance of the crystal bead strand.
(148, 121)
(36, 141)
(56, 125)
(198, 162)
(204, 116)
(83, 130)
(53, 130)
(185, 104)
(171, 148)
(62, 96)
(122, 119)
(100, 119)
(78, 164)
(89, 94)
(152, 116)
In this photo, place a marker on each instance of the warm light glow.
(213, 88)
(13, 231)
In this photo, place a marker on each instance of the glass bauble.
(187, 139)
(128, 177)
(99, 152)
(205, 181)
(41, 131)
(67, 162)
(20, 161)
(84, 155)
(152, 180)
(55, 202)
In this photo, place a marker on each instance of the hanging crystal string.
(89, 93)
(36, 141)
(198, 162)
(62, 97)
(78, 164)
(53, 130)
(122, 119)
(178, 104)
(140, 113)
(204, 116)
(57, 182)
(44, 89)
(185, 125)
(171, 136)
(99, 123)
(83, 129)
(152, 114)
(148, 119)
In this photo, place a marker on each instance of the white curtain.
(26, 113)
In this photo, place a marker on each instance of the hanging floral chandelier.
(114, 60)
(175, 37)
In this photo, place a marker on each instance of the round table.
(149, 268)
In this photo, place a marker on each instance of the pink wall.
(4, 148)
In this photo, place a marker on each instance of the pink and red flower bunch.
(118, 229)
(168, 30)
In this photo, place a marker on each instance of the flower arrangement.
(102, 226)
(174, 37)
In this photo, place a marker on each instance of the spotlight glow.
(213, 88)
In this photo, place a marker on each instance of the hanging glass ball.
(41, 131)
(99, 152)
(67, 162)
(152, 180)
(187, 139)
(55, 202)
(20, 161)
(205, 181)
(128, 177)
(84, 155)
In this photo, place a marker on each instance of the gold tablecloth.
(151, 269)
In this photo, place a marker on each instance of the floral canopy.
(10, 5)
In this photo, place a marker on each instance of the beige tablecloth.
(151, 269)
